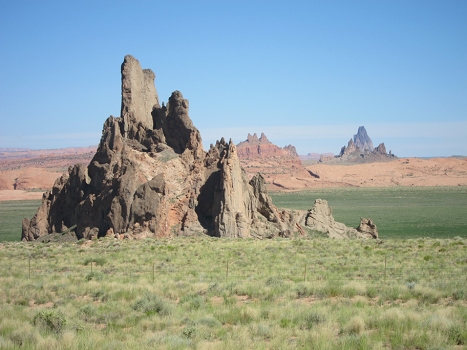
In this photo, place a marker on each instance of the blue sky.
(306, 73)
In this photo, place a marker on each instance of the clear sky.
(306, 73)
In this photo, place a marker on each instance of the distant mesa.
(280, 166)
(254, 147)
(317, 156)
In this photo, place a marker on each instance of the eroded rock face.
(150, 177)
(139, 96)
(349, 150)
(278, 165)
(261, 148)
(360, 150)
(368, 228)
(381, 148)
(362, 140)
(319, 218)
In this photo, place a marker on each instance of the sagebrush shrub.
(50, 321)
(152, 304)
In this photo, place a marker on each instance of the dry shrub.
(356, 325)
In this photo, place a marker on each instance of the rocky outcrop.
(291, 150)
(381, 149)
(323, 158)
(278, 165)
(367, 228)
(360, 150)
(362, 140)
(319, 218)
(349, 150)
(139, 96)
(317, 156)
(261, 148)
(150, 177)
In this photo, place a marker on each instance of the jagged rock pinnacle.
(150, 177)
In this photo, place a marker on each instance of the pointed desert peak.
(139, 95)
(263, 138)
(362, 140)
(291, 149)
(252, 139)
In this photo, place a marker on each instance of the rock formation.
(360, 149)
(362, 140)
(349, 150)
(381, 149)
(139, 96)
(317, 156)
(319, 218)
(367, 227)
(150, 177)
(325, 158)
(261, 148)
(281, 167)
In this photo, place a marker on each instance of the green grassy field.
(208, 293)
(398, 212)
(11, 216)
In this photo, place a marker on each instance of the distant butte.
(360, 149)
(281, 167)
(262, 148)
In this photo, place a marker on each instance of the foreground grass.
(11, 216)
(399, 212)
(207, 293)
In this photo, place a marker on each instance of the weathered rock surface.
(317, 156)
(368, 228)
(139, 96)
(281, 167)
(362, 140)
(261, 148)
(319, 218)
(381, 149)
(360, 150)
(349, 150)
(150, 177)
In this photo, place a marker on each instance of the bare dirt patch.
(24, 170)
(14, 195)
(400, 172)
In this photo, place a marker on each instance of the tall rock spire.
(150, 177)
(362, 140)
(139, 96)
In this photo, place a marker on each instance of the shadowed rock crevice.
(150, 177)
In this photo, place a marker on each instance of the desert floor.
(20, 181)
(400, 172)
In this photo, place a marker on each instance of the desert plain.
(26, 174)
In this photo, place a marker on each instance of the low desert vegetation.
(207, 293)
(407, 290)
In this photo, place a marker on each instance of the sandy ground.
(25, 170)
(29, 178)
(400, 172)
(13, 195)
